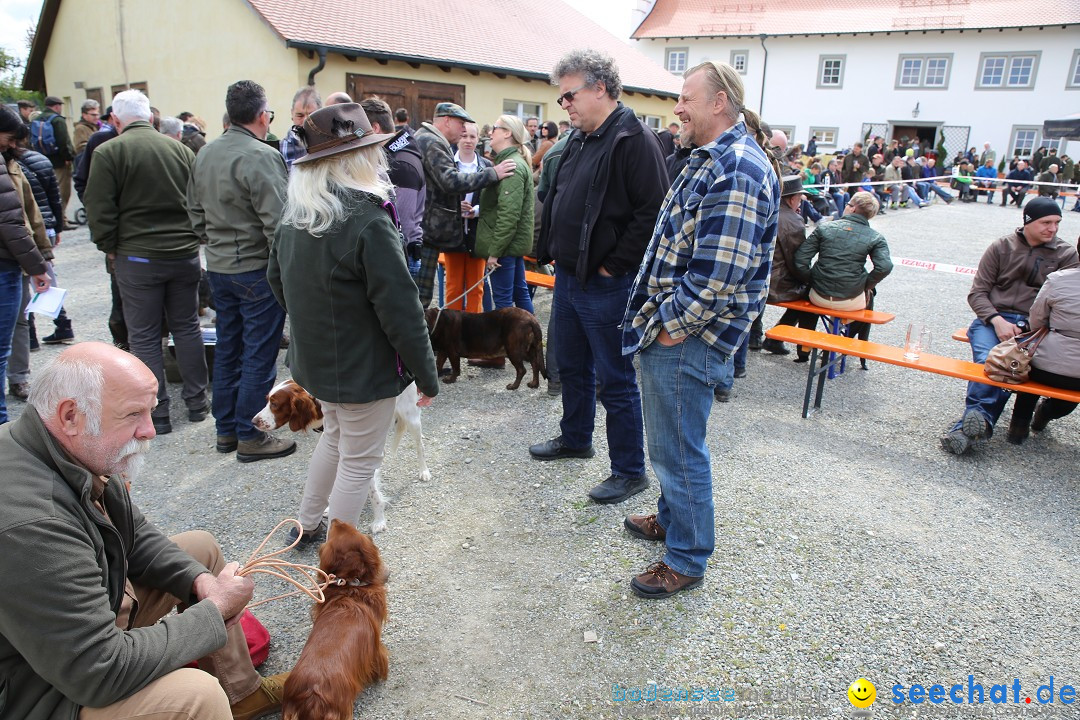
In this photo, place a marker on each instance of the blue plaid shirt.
(706, 271)
(292, 148)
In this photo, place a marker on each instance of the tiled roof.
(511, 36)
(726, 18)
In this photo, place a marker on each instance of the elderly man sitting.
(89, 579)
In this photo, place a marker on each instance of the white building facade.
(954, 88)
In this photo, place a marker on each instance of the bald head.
(338, 98)
(96, 400)
(779, 140)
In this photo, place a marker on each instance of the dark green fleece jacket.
(136, 196)
(63, 566)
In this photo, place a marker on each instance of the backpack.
(43, 137)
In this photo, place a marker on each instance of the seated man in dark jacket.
(90, 579)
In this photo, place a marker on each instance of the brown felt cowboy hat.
(791, 185)
(336, 129)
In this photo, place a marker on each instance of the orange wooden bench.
(540, 279)
(961, 335)
(951, 367)
(833, 322)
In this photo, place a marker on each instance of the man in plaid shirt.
(704, 278)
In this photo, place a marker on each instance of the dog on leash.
(289, 404)
(512, 333)
(344, 652)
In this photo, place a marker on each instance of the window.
(132, 86)
(1073, 82)
(1024, 139)
(1007, 71)
(523, 109)
(655, 122)
(739, 59)
(831, 71)
(826, 136)
(923, 71)
(675, 59)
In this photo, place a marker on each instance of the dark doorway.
(927, 134)
(416, 96)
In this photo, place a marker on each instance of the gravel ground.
(848, 544)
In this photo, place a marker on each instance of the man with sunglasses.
(235, 198)
(597, 219)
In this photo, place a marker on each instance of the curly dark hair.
(594, 66)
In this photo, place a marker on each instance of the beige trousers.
(856, 303)
(224, 677)
(63, 180)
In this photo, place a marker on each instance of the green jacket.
(842, 247)
(506, 212)
(64, 566)
(64, 151)
(135, 196)
(235, 198)
(358, 330)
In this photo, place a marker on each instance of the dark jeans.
(1024, 407)
(987, 400)
(588, 347)
(1014, 194)
(149, 289)
(11, 285)
(249, 327)
(508, 284)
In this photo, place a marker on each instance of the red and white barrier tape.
(934, 266)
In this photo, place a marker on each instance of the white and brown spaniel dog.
(289, 404)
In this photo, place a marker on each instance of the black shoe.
(226, 443)
(162, 426)
(63, 336)
(802, 358)
(722, 394)
(775, 347)
(34, 344)
(1041, 418)
(755, 343)
(555, 450)
(308, 536)
(198, 414)
(740, 372)
(617, 488)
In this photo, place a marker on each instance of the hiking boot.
(62, 336)
(308, 536)
(226, 443)
(659, 581)
(264, 447)
(554, 449)
(974, 425)
(775, 347)
(19, 390)
(264, 701)
(644, 527)
(618, 488)
(955, 442)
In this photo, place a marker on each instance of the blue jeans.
(508, 284)
(11, 286)
(677, 394)
(738, 362)
(588, 350)
(987, 400)
(841, 199)
(249, 327)
(928, 187)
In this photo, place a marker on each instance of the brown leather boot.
(644, 527)
(659, 581)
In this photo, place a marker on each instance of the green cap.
(449, 109)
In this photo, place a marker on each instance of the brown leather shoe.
(644, 527)
(659, 581)
(19, 390)
(264, 701)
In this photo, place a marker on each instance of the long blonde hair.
(723, 77)
(311, 202)
(518, 135)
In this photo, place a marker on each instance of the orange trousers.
(462, 270)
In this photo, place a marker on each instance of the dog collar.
(351, 582)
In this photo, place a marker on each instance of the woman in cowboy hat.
(358, 331)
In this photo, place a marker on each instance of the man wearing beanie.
(1010, 273)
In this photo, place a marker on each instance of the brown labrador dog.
(508, 332)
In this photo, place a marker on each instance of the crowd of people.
(666, 246)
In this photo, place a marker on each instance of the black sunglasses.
(568, 96)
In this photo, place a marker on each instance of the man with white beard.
(89, 578)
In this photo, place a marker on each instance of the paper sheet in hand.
(47, 303)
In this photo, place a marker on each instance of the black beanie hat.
(1040, 207)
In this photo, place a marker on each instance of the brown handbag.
(1010, 361)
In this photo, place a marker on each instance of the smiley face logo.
(862, 693)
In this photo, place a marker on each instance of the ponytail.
(753, 126)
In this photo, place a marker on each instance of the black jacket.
(82, 172)
(16, 243)
(39, 171)
(624, 197)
